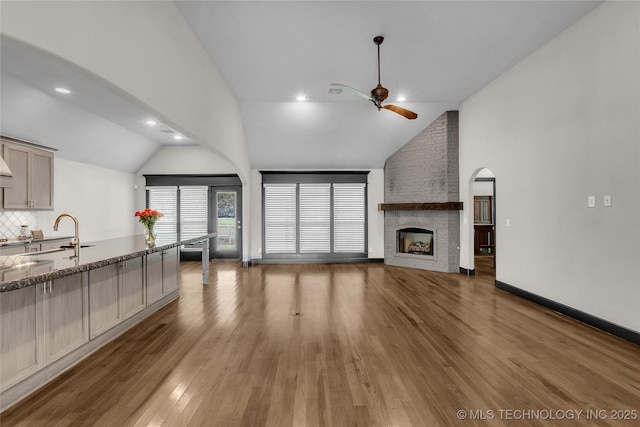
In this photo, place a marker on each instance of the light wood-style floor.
(374, 346)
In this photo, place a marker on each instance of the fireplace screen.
(415, 241)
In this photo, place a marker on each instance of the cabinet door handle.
(51, 286)
(44, 289)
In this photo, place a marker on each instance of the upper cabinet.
(32, 182)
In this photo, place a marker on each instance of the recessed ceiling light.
(301, 98)
(63, 90)
(177, 137)
(401, 99)
(151, 122)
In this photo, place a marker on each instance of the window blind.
(315, 218)
(280, 222)
(349, 217)
(165, 200)
(193, 212)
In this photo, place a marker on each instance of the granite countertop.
(18, 242)
(20, 271)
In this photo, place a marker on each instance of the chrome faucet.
(76, 240)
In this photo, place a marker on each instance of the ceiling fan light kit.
(380, 93)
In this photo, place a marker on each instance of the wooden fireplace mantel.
(444, 206)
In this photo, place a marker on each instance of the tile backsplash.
(11, 223)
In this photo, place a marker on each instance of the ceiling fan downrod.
(379, 94)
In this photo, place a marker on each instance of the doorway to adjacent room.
(484, 222)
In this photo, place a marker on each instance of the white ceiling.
(436, 53)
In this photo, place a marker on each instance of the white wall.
(145, 52)
(102, 199)
(559, 126)
(376, 218)
(483, 188)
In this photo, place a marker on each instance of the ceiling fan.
(380, 93)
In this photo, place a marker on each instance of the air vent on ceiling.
(335, 91)
(167, 131)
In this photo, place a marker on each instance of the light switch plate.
(591, 201)
(607, 200)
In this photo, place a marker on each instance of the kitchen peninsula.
(58, 306)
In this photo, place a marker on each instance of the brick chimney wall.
(425, 170)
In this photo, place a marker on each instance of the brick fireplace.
(421, 197)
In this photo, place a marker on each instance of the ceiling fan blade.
(352, 90)
(402, 111)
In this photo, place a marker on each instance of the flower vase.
(150, 235)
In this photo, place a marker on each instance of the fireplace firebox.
(416, 241)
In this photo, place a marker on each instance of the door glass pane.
(226, 217)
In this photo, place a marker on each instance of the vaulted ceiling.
(435, 53)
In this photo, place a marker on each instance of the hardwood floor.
(374, 346)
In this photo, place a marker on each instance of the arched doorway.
(483, 189)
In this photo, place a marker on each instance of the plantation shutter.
(165, 200)
(280, 218)
(315, 218)
(349, 217)
(193, 213)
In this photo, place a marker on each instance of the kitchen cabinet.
(104, 299)
(40, 324)
(32, 181)
(133, 292)
(154, 277)
(65, 310)
(19, 331)
(170, 270)
(116, 293)
(162, 274)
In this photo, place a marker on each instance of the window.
(164, 199)
(318, 216)
(315, 218)
(191, 209)
(349, 217)
(280, 219)
(193, 214)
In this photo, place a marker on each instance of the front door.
(227, 223)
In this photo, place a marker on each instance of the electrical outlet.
(607, 200)
(591, 201)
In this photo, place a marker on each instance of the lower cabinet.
(116, 293)
(43, 323)
(134, 298)
(170, 270)
(162, 274)
(19, 332)
(40, 324)
(66, 322)
(104, 299)
(154, 277)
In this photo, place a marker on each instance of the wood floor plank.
(374, 346)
